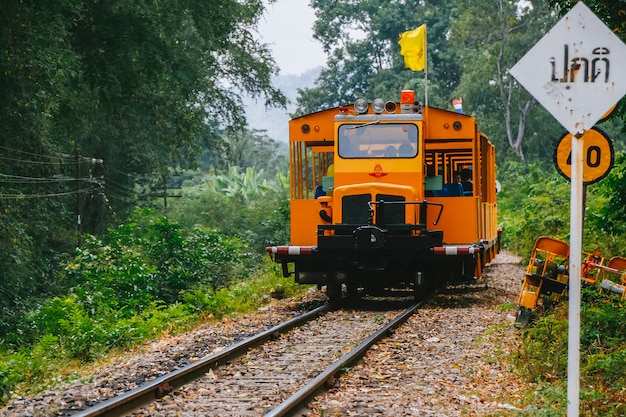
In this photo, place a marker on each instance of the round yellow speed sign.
(597, 156)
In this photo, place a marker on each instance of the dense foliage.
(145, 262)
(102, 103)
(140, 87)
(361, 38)
(535, 201)
(134, 282)
(542, 358)
(248, 204)
(612, 12)
(491, 36)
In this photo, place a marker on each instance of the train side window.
(434, 182)
(328, 183)
(453, 189)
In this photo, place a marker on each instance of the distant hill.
(273, 120)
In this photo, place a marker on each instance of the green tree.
(609, 219)
(97, 96)
(167, 67)
(250, 204)
(254, 149)
(491, 36)
(361, 41)
(131, 84)
(612, 12)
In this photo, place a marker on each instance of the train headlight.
(378, 106)
(390, 107)
(360, 105)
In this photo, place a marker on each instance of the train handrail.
(423, 209)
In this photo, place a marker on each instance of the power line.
(121, 172)
(69, 157)
(67, 162)
(17, 179)
(36, 154)
(47, 195)
(75, 160)
(121, 187)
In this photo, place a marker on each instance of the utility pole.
(163, 193)
(79, 190)
(78, 209)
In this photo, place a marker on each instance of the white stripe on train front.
(455, 250)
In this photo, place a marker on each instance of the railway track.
(273, 373)
(450, 357)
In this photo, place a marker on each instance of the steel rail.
(133, 399)
(299, 399)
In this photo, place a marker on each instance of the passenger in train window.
(457, 176)
(466, 179)
(406, 150)
(391, 152)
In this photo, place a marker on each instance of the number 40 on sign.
(597, 154)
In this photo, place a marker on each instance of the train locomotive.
(375, 205)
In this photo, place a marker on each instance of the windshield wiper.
(375, 122)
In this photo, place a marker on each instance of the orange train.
(375, 202)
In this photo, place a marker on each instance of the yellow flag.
(413, 48)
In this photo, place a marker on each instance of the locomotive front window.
(376, 140)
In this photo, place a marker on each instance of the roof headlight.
(378, 105)
(360, 106)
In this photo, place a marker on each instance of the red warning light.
(407, 97)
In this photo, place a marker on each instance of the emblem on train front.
(378, 172)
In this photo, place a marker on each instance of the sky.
(287, 28)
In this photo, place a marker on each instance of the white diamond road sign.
(576, 71)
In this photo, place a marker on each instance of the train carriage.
(374, 204)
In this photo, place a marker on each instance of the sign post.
(573, 72)
(575, 260)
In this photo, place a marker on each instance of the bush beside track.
(140, 281)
